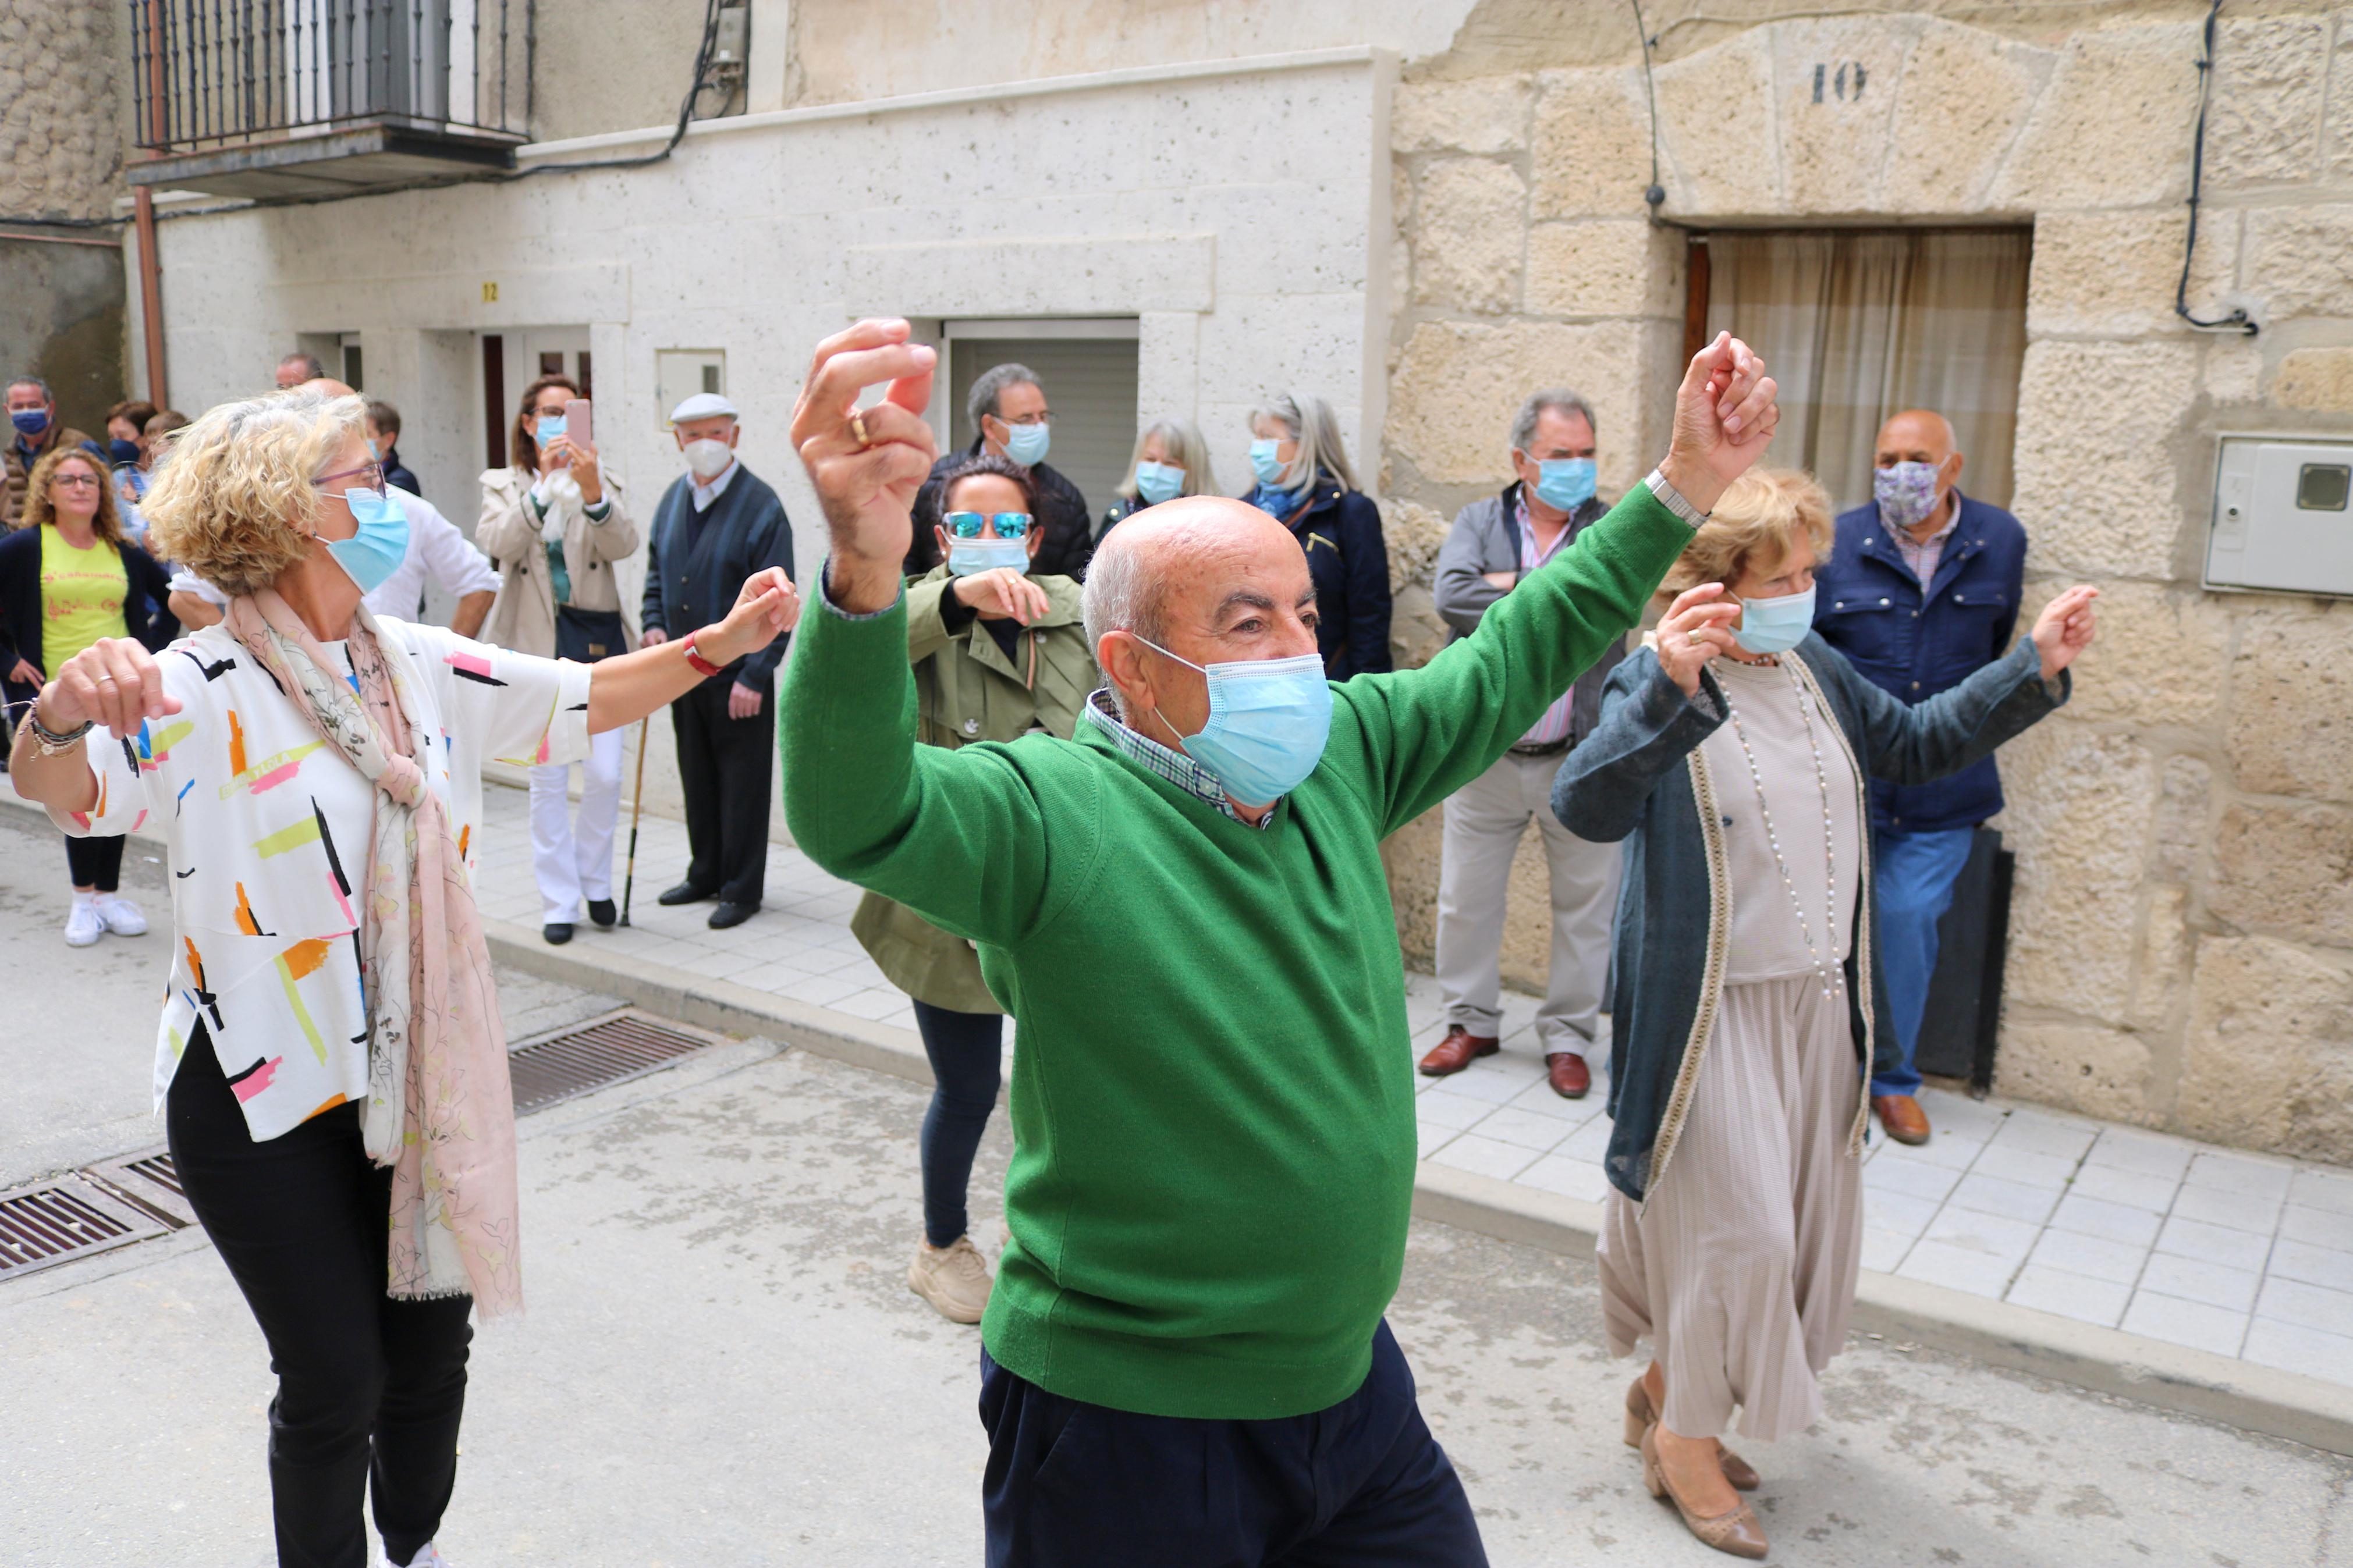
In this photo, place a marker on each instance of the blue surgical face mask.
(1775, 626)
(121, 452)
(29, 422)
(1565, 484)
(969, 556)
(1027, 444)
(550, 428)
(1264, 463)
(1269, 719)
(1157, 482)
(373, 553)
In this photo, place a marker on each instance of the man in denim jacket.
(1920, 592)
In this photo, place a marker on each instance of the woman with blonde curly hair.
(1731, 755)
(69, 577)
(330, 1058)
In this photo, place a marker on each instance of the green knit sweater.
(1213, 1084)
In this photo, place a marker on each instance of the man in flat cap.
(717, 525)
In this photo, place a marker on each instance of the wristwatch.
(695, 661)
(1673, 499)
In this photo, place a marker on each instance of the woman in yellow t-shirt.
(67, 578)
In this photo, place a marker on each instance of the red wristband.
(695, 661)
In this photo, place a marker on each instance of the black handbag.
(586, 636)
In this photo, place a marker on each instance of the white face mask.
(707, 458)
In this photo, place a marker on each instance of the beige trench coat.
(522, 617)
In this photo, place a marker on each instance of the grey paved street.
(722, 1364)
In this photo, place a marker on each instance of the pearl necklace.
(1833, 977)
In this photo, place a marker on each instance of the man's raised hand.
(866, 487)
(1725, 418)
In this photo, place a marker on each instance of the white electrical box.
(2283, 515)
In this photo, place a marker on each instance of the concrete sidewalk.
(2198, 1279)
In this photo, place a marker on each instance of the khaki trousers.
(1485, 820)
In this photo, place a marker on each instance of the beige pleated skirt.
(1740, 1270)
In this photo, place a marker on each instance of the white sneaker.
(953, 1279)
(121, 916)
(428, 1556)
(83, 926)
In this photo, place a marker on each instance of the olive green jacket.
(966, 690)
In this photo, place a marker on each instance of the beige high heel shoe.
(1737, 1532)
(1641, 1416)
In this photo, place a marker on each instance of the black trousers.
(726, 769)
(1361, 1485)
(370, 1390)
(96, 862)
(968, 1053)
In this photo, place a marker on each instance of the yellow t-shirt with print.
(82, 597)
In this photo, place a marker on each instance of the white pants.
(1485, 820)
(573, 858)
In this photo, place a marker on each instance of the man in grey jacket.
(1494, 544)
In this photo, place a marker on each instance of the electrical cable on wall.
(1656, 194)
(2238, 319)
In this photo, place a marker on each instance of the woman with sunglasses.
(998, 655)
(67, 578)
(330, 1060)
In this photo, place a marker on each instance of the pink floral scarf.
(440, 1110)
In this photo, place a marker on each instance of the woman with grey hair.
(1171, 459)
(1307, 482)
(330, 1060)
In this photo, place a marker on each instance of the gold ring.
(1694, 638)
(858, 428)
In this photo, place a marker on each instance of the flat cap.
(704, 406)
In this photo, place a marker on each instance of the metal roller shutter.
(1090, 383)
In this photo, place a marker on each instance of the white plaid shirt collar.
(1174, 766)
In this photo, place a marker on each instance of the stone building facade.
(2182, 938)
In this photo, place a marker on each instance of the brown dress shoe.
(1902, 1117)
(1737, 1532)
(1641, 1416)
(1569, 1074)
(1458, 1050)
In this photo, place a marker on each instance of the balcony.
(278, 99)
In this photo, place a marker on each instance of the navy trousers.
(1361, 1485)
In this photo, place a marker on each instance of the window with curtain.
(1859, 324)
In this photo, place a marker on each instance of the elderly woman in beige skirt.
(1733, 757)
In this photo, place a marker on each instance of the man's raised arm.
(1437, 728)
(956, 836)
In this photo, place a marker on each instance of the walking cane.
(637, 805)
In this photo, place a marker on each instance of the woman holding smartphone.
(553, 520)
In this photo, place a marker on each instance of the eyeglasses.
(370, 475)
(74, 481)
(967, 524)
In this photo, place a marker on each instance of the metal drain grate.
(609, 1051)
(150, 1182)
(60, 1221)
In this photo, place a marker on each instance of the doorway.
(512, 361)
(1087, 369)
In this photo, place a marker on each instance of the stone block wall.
(61, 140)
(2182, 940)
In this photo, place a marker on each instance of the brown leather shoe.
(1569, 1074)
(1901, 1116)
(1458, 1050)
(1641, 1416)
(1737, 1532)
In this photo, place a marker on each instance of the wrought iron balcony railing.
(219, 75)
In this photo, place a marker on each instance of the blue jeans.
(1361, 1485)
(1912, 883)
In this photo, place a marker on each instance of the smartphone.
(577, 416)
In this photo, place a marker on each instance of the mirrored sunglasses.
(967, 524)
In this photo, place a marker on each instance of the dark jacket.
(1914, 642)
(1486, 538)
(396, 472)
(1122, 508)
(696, 562)
(1070, 540)
(20, 458)
(20, 607)
(1640, 777)
(1348, 556)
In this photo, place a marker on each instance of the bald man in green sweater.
(1184, 909)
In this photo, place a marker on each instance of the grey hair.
(1559, 399)
(313, 370)
(1189, 450)
(1311, 423)
(991, 384)
(46, 396)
